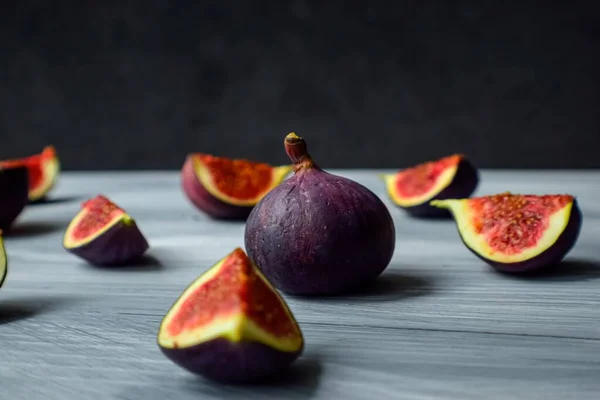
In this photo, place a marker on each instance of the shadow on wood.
(389, 286)
(299, 381)
(302, 378)
(442, 217)
(232, 221)
(23, 308)
(568, 270)
(56, 200)
(145, 263)
(34, 228)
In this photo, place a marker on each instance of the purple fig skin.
(224, 361)
(318, 233)
(463, 185)
(551, 256)
(117, 246)
(14, 182)
(206, 202)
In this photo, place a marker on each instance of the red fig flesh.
(226, 188)
(43, 168)
(3, 262)
(413, 188)
(13, 194)
(517, 233)
(231, 325)
(102, 233)
(317, 233)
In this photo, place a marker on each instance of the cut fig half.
(413, 188)
(227, 188)
(517, 233)
(102, 233)
(43, 168)
(231, 325)
(3, 261)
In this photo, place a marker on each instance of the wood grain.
(438, 323)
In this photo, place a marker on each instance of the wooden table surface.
(438, 324)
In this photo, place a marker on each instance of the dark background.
(138, 84)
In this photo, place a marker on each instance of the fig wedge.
(13, 194)
(225, 188)
(413, 188)
(517, 233)
(43, 168)
(231, 325)
(102, 233)
(3, 262)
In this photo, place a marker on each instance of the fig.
(413, 188)
(517, 233)
(102, 233)
(43, 170)
(231, 325)
(3, 262)
(318, 233)
(226, 188)
(13, 194)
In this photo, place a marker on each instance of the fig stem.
(297, 151)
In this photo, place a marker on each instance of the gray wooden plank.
(438, 324)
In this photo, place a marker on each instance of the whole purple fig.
(318, 233)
